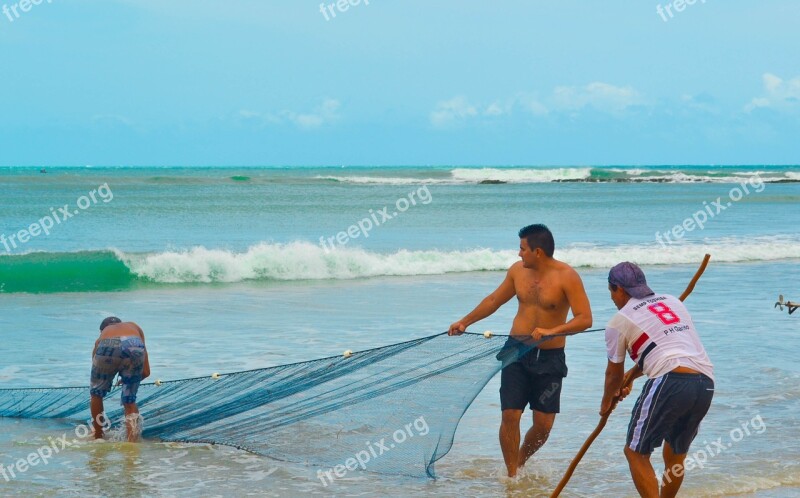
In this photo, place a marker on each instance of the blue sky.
(411, 82)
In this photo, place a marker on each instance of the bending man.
(658, 332)
(119, 350)
(546, 290)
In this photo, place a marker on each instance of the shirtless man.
(119, 350)
(546, 290)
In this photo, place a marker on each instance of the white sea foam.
(520, 175)
(306, 261)
(737, 177)
(633, 171)
(460, 176)
(474, 176)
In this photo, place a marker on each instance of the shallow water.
(196, 328)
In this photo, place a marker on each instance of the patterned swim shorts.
(118, 355)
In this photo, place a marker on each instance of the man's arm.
(581, 309)
(631, 375)
(614, 375)
(146, 369)
(489, 305)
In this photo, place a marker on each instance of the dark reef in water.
(618, 180)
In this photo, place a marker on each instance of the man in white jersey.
(658, 333)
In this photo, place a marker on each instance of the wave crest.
(114, 270)
(305, 261)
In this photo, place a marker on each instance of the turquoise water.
(234, 256)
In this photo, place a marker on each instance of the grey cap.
(109, 321)
(631, 278)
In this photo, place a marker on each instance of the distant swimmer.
(546, 290)
(658, 333)
(119, 350)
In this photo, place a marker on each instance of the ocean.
(228, 269)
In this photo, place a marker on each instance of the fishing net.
(390, 410)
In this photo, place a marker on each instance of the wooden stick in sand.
(625, 383)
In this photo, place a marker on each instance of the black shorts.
(670, 408)
(534, 379)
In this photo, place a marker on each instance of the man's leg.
(537, 435)
(509, 439)
(132, 424)
(644, 477)
(96, 406)
(134, 354)
(105, 365)
(673, 479)
(677, 443)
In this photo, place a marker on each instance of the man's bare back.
(124, 329)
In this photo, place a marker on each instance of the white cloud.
(598, 95)
(531, 104)
(703, 103)
(495, 109)
(449, 112)
(458, 110)
(778, 94)
(245, 114)
(525, 102)
(325, 113)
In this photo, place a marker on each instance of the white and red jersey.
(659, 335)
